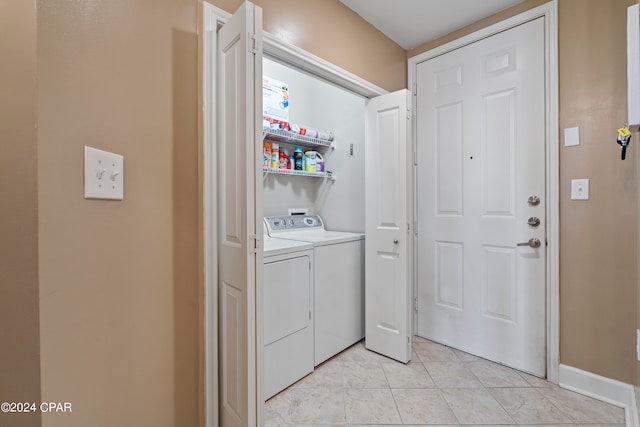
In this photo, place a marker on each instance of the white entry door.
(388, 215)
(240, 217)
(481, 198)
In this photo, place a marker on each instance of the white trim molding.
(605, 389)
(550, 13)
(292, 55)
(212, 19)
(634, 420)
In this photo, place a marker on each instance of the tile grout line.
(394, 400)
(550, 401)
(449, 406)
(344, 402)
(437, 387)
(486, 389)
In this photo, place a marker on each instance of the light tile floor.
(441, 386)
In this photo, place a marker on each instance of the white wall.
(321, 105)
(341, 202)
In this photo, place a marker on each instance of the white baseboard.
(601, 388)
(635, 419)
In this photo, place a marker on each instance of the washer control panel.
(293, 222)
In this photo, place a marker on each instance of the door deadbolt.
(534, 242)
(533, 200)
(533, 221)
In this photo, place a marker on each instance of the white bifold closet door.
(240, 217)
(389, 237)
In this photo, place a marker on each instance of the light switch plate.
(103, 174)
(571, 136)
(579, 189)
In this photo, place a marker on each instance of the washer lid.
(275, 246)
(320, 237)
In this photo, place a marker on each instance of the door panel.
(481, 154)
(388, 214)
(498, 181)
(284, 281)
(450, 275)
(238, 110)
(449, 155)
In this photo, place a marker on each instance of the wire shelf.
(288, 137)
(327, 174)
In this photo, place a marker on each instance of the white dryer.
(338, 280)
(288, 313)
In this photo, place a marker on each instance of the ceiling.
(411, 23)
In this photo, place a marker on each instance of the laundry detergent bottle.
(310, 160)
(298, 160)
(319, 162)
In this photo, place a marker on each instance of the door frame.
(550, 12)
(212, 18)
(275, 48)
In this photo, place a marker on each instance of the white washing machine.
(288, 313)
(338, 280)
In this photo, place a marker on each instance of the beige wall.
(19, 335)
(599, 258)
(490, 20)
(598, 255)
(332, 31)
(119, 279)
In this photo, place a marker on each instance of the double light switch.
(103, 174)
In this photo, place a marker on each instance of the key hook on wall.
(624, 138)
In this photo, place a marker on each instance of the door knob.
(534, 242)
(533, 200)
(395, 241)
(533, 221)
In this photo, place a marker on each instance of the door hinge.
(415, 303)
(254, 244)
(408, 114)
(254, 45)
(415, 228)
(415, 158)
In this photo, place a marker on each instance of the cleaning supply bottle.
(275, 156)
(284, 159)
(297, 158)
(319, 162)
(266, 155)
(310, 160)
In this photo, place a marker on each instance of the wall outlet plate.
(103, 174)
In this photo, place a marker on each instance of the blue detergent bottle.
(297, 158)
